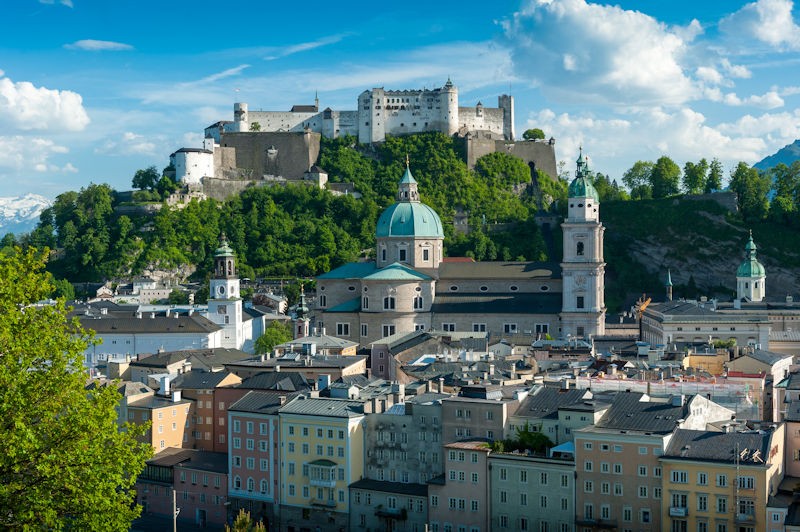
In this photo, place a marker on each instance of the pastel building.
(322, 453)
(721, 480)
(459, 499)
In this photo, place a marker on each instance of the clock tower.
(224, 301)
(583, 308)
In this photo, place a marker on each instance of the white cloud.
(26, 107)
(130, 143)
(615, 144)
(92, 45)
(21, 153)
(67, 3)
(768, 21)
(277, 53)
(768, 100)
(600, 53)
(735, 71)
(709, 75)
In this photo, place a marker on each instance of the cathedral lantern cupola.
(224, 260)
(751, 277)
(409, 231)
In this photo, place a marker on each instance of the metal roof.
(497, 303)
(750, 447)
(499, 270)
(325, 407)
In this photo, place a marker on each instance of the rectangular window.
(702, 479)
(388, 330)
(342, 329)
(680, 477)
(364, 329)
(579, 303)
(478, 327)
(449, 327)
(510, 328)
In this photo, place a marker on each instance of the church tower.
(224, 303)
(751, 278)
(583, 309)
(301, 323)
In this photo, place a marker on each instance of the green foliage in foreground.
(65, 464)
(276, 333)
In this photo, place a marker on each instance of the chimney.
(176, 396)
(441, 384)
(104, 311)
(323, 382)
(165, 385)
(491, 370)
(277, 369)
(399, 392)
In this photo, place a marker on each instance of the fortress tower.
(583, 308)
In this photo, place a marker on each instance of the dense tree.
(665, 177)
(695, 176)
(608, 190)
(785, 205)
(638, 180)
(146, 179)
(714, 177)
(751, 188)
(255, 126)
(276, 333)
(245, 523)
(533, 134)
(66, 464)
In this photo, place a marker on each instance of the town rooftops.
(115, 324)
(544, 401)
(750, 447)
(688, 311)
(200, 380)
(767, 357)
(322, 341)
(152, 402)
(275, 380)
(397, 272)
(312, 406)
(301, 361)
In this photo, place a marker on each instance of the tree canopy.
(276, 333)
(146, 179)
(66, 463)
(533, 134)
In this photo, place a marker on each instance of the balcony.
(324, 503)
(322, 473)
(678, 511)
(745, 518)
(400, 514)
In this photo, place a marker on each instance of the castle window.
(579, 304)
(402, 252)
(388, 303)
(383, 254)
(426, 255)
(579, 248)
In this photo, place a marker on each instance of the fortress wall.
(481, 118)
(541, 153)
(222, 189)
(288, 155)
(286, 121)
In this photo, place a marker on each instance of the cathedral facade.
(412, 286)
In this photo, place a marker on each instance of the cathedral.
(412, 286)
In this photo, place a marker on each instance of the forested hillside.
(301, 231)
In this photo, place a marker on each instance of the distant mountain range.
(20, 214)
(786, 155)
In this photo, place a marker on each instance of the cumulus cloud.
(709, 75)
(19, 152)
(130, 143)
(768, 21)
(615, 143)
(735, 71)
(768, 100)
(611, 54)
(24, 106)
(92, 45)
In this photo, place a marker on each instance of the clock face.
(221, 289)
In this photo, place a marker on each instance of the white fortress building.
(381, 112)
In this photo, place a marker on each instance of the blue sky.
(92, 90)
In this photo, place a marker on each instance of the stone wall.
(538, 154)
(259, 154)
(222, 189)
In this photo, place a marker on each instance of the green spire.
(750, 267)
(669, 278)
(581, 186)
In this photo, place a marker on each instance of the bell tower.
(583, 309)
(224, 302)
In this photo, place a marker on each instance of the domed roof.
(406, 218)
(224, 250)
(750, 267)
(581, 186)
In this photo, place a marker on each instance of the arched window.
(323, 301)
(365, 303)
(579, 249)
(388, 303)
(230, 267)
(237, 483)
(383, 254)
(263, 486)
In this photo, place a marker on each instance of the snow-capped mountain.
(20, 214)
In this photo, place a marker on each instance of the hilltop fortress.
(268, 146)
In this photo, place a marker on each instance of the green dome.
(224, 250)
(581, 187)
(409, 219)
(750, 267)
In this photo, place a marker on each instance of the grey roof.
(115, 324)
(193, 459)
(275, 380)
(792, 381)
(200, 380)
(793, 411)
(322, 341)
(312, 406)
(497, 303)
(161, 360)
(544, 402)
(128, 388)
(751, 447)
(767, 357)
(632, 411)
(260, 402)
(317, 361)
(499, 270)
(400, 488)
(156, 401)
